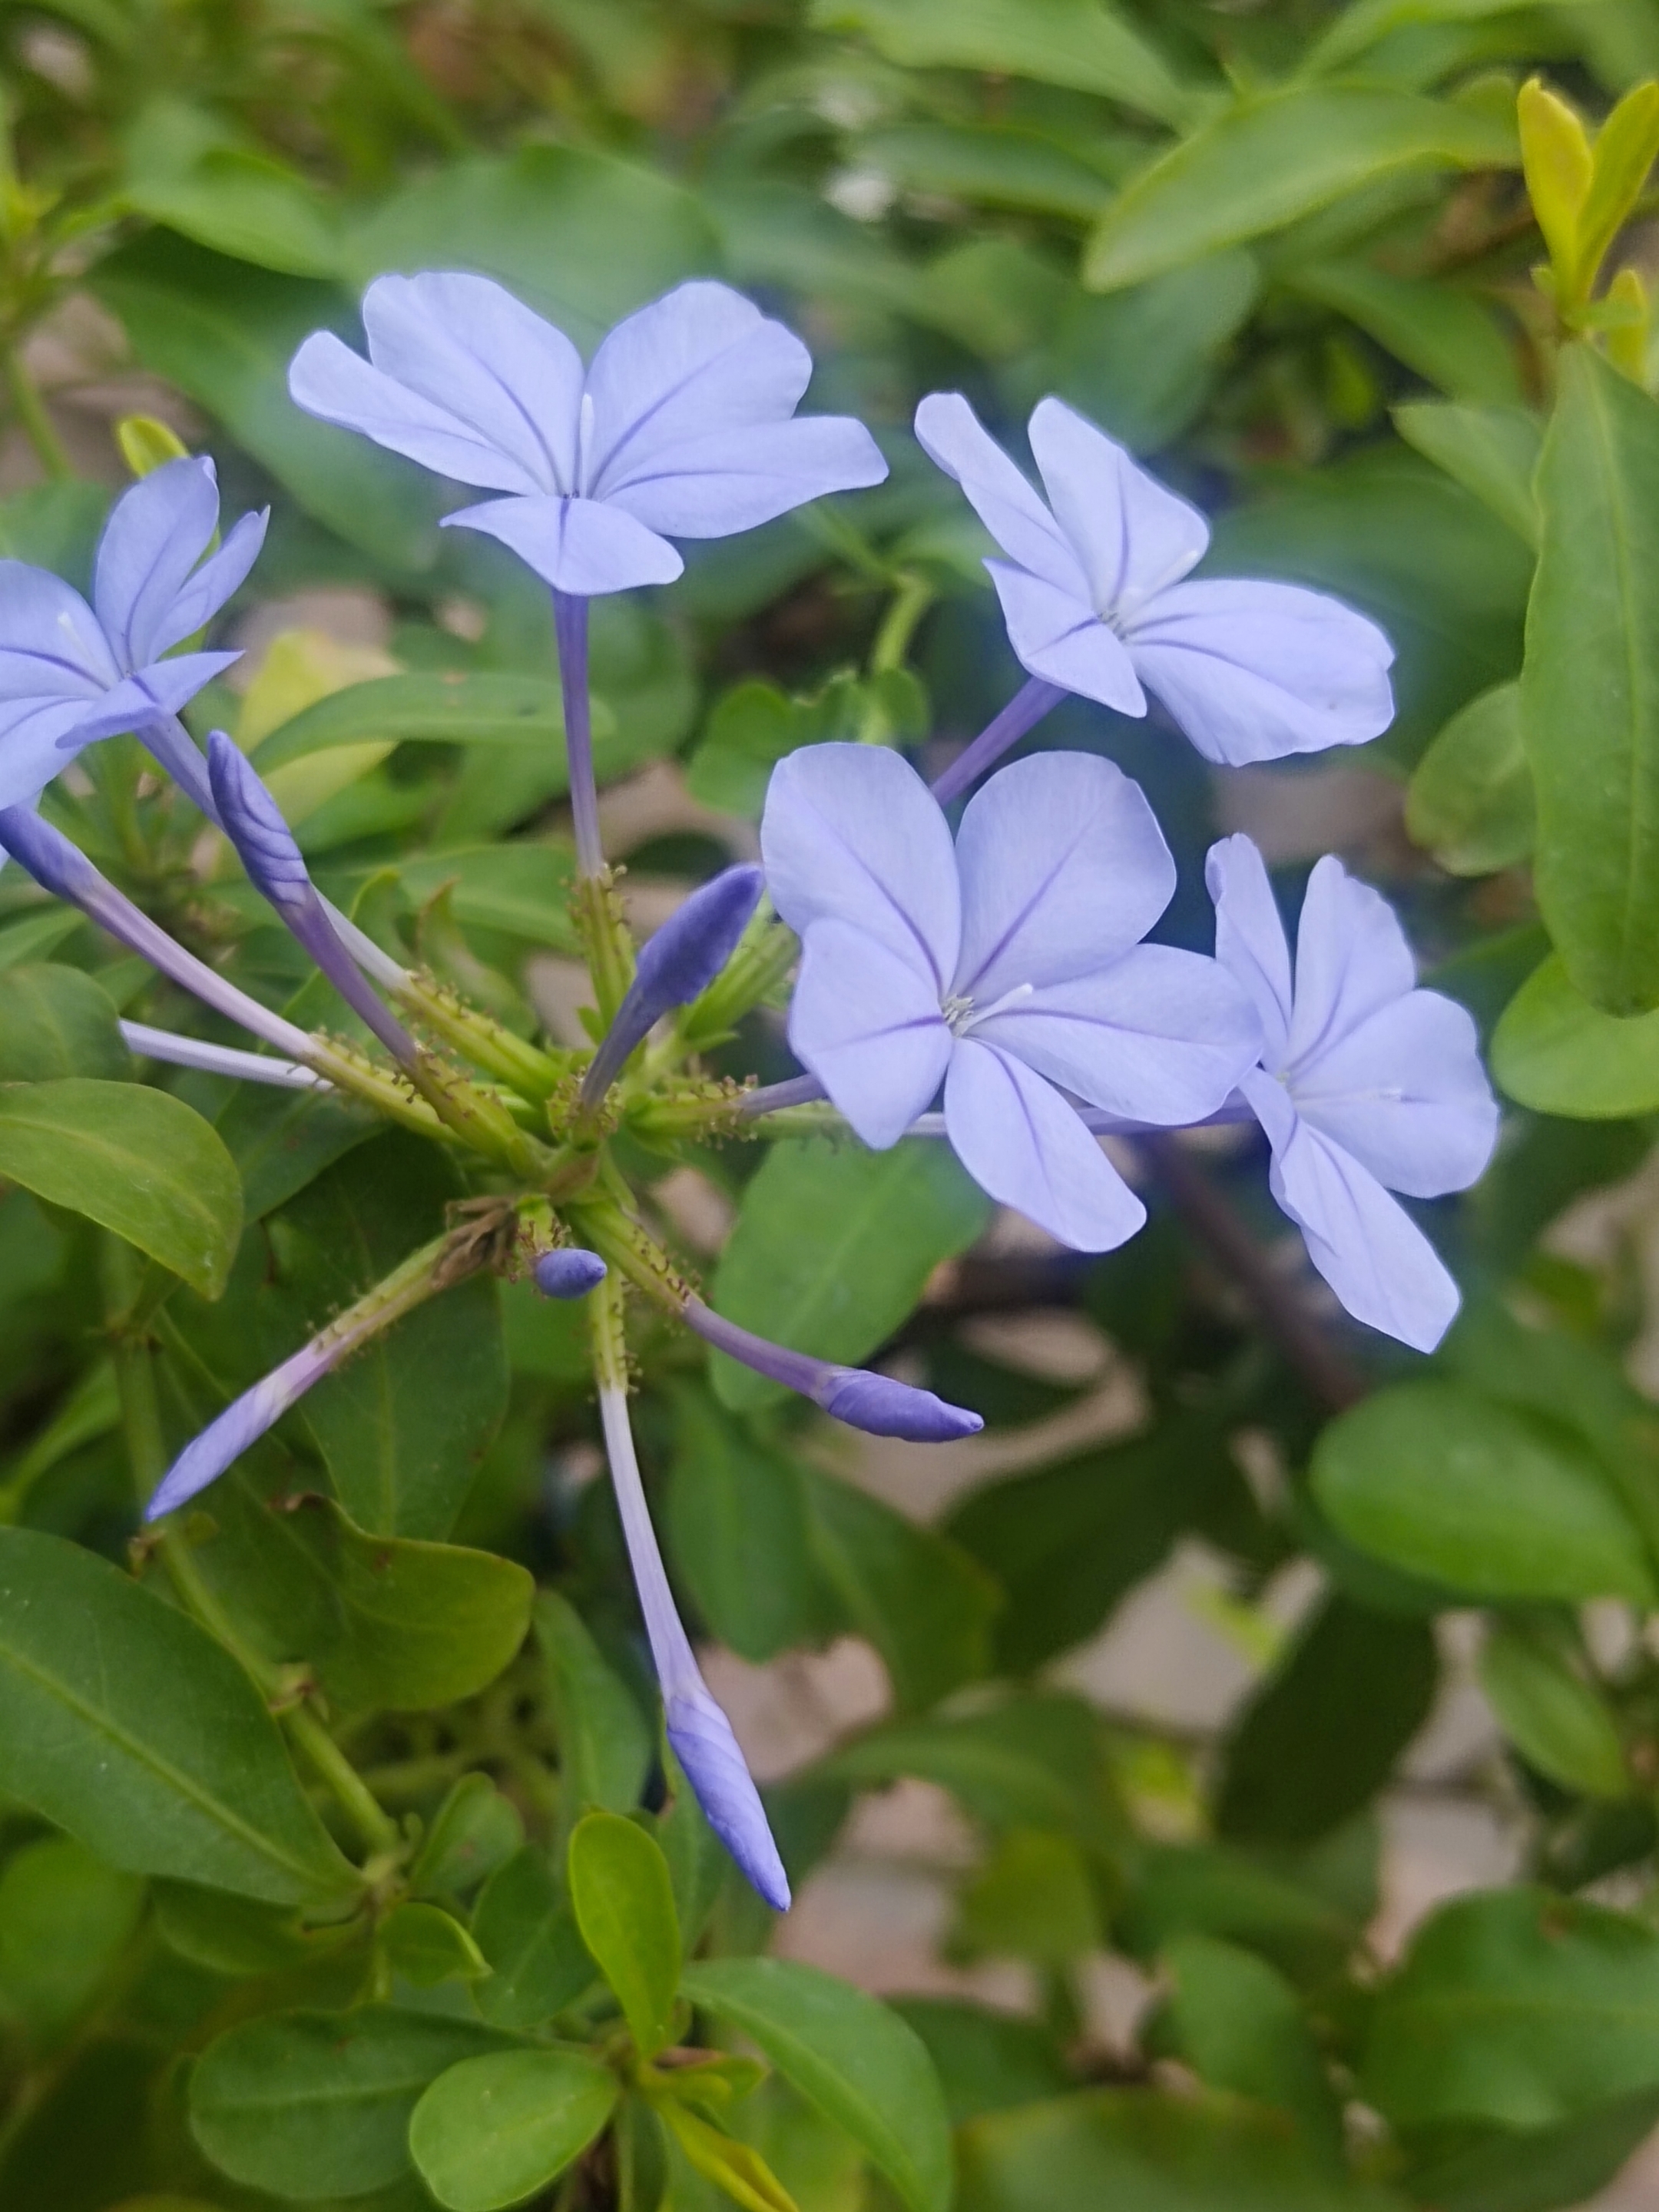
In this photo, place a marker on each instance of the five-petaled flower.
(683, 423)
(1366, 1085)
(71, 673)
(1093, 597)
(1003, 968)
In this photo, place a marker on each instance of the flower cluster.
(1004, 968)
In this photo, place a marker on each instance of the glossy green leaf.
(605, 1746)
(832, 1247)
(1490, 451)
(446, 706)
(1450, 337)
(281, 1140)
(1079, 43)
(1555, 1052)
(1590, 686)
(1443, 1483)
(1518, 2006)
(1266, 162)
(132, 1159)
(65, 1919)
(1470, 800)
(526, 1928)
(491, 2131)
(318, 2105)
(56, 1022)
(624, 1905)
(424, 1946)
(473, 1833)
(1553, 1717)
(1239, 2025)
(125, 1724)
(244, 205)
(847, 2054)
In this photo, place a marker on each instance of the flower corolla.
(1094, 599)
(1008, 967)
(684, 425)
(1366, 1085)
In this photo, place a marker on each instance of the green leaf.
(526, 1928)
(443, 707)
(1554, 1051)
(137, 1161)
(1451, 339)
(492, 2131)
(57, 1022)
(313, 2105)
(1443, 1483)
(1589, 685)
(1536, 2169)
(1142, 361)
(238, 1936)
(245, 206)
(65, 1918)
(54, 525)
(124, 1722)
(605, 1746)
(738, 2170)
(1183, 1889)
(424, 1946)
(1031, 1899)
(831, 1250)
(474, 1831)
(1554, 1719)
(999, 164)
(624, 1902)
(1321, 1736)
(35, 935)
(522, 889)
(847, 2054)
(985, 2060)
(1490, 451)
(1470, 799)
(281, 1140)
(1078, 43)
(1518, 2006)
(1266, 162)
(1239, 2025)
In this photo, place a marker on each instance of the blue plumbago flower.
(71, 673)
(677, 963)
(1003, 968)
(875, 1403)
(698, 1730)
(682, 426)
(1366, 1085)
(568, 1272)
(1093, 596)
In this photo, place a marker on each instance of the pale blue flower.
(1008, 968)
(684, 425)
(1366, 1085)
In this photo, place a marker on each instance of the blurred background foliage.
(1284, 250)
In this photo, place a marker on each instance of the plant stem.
(910, 603)
(1034, 699)
(570, 626)
(36, 424)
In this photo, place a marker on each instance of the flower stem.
(910, 603)
(38, 426)
(570, 626)
(1034, 699)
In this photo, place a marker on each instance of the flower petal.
(38, 738)
(156, 535)
(158, 691)
(206, 591)
(1063, 867)
(1254, 672)
(1160, 1036)
(1131, 536)
(1249, 936)
(852, 834)
(51, 645)
(1021, 1142)
(328, 380)
(700, 361)
(867, 1023)
(733, 480)
(1368, 1249)
(576, 545)
(955, 440)
(1059, 636)
(467, 345)
(1351, 959)
(1406, 1094)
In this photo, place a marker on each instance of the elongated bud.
(875, 1403)
(253, 822)
(679, 963)
(569, 1273)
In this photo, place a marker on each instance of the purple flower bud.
(242, 1423)
(874, 1403)
(679, 961)
(703, 1743)
(569, 1273)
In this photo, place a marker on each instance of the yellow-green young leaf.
(733, 2167)
(1556, 157)
(1469, 801)
(147, 443)
(1624, 148)
(1554, 1051)
(1554, 1718)
(1589, 684)
(1266, 162)
(624, 1901)
(493, 2130)
(137, 1161)
(1490, 451)
(425, 1945)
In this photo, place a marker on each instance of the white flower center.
(961, 1015)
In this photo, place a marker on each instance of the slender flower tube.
(1034, 699)
(875, 1403)
(677, 965)
(569, 1273)
(570, 629)
(219, 1059)
(698, 1730)
(252, 821)
(249, 1417)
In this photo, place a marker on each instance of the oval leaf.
(624, 1901)
(137, 1161)
(1470, 799)
(446, 706)
(1554, 1051)
(56, 1021)
(492, 2131)
(848, 2055)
